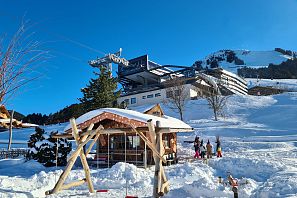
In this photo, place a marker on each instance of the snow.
(261, 58)
(142, 108)
(253, 59)
(166, 122)
(29, 125)
(259, 145)
(287, 84)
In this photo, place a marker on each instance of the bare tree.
(18, 59)
(177, 95)
(217, 102)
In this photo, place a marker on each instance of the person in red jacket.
(196, 147)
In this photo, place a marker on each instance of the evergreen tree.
(43, 148)
(101, 92)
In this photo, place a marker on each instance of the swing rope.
(126, 163)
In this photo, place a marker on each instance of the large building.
(147, 82)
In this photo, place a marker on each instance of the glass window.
(157, 94)
(143, 97)
(150, 96)
(169, 94)
(133, 100)
(133, 142)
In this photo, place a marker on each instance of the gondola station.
(123, 135)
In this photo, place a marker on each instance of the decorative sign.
(117, 60)
(110, 58)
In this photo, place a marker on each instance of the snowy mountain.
(231, 60)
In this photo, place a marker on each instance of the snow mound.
(257, 169)
(4, 163)
(281, 184)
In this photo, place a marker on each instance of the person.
(219, 148)
(196, 147)
(208, 150)
(202, 150)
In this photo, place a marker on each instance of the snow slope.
(285, 84)
(254, 59)
(259, 142)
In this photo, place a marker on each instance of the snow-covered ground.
(286, 84)
(252, 59)
(259, 140)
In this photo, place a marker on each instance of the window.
(157, 94)
(150, 96)
(133, 142)
(143, 97)
(169, 94)
(166, 141)
(133, 100)
(157, 113)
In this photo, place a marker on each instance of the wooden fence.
(13, 153)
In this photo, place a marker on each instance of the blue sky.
(177, 32)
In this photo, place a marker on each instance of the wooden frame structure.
(161, 184)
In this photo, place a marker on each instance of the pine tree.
(43, 148)
(101, 92)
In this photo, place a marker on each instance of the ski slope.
(259, 143)
(252, 59)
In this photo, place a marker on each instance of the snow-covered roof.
(142, 108)
(165, 122)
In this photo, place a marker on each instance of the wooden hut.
(118, 142)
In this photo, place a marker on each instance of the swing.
(128, 196)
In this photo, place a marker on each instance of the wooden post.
(158, 164)
(64, 174)
(152, 135)
(161, 185)
(81, 141)
(82, 154)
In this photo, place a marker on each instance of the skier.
(208, 149)
(202, 150)
(219, 148)
(196, 147)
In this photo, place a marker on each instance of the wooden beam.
(65, 173)
(73, 184)
(83, 158)
(80, 146)
(94, 140)
(125, 130)
(149, 144)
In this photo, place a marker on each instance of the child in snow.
(208, 149)
(202, 150)
(219, 148)
(196, 147)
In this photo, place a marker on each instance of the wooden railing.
(14, 153)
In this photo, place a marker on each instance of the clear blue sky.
(177, 32)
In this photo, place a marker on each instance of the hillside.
(232, 60)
